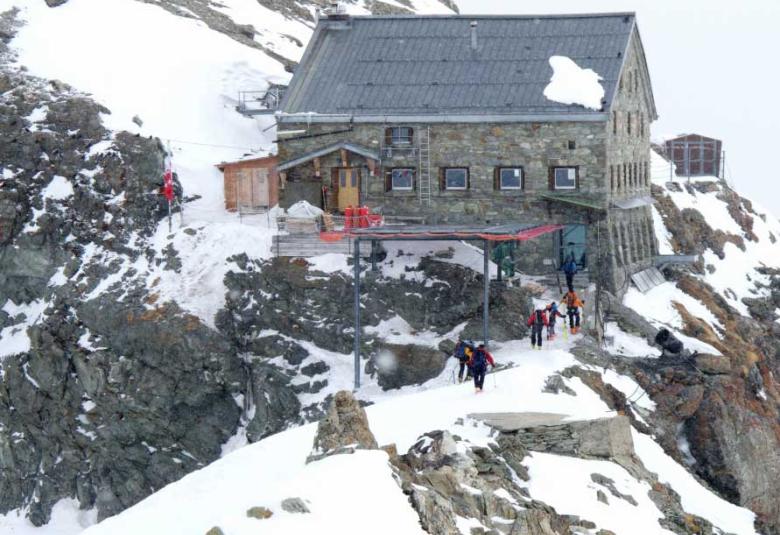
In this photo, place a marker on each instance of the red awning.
(432, 234)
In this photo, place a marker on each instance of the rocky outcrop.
(343, 430)
(449, 480)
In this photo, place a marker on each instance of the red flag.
(168, 181)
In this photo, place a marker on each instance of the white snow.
(397, 331)
(695, 498)
(58, 189)
(731, 283)
(662, 233)
(565, 484)
(627, 345)
(14, 338)
(657, 305)
(66, 519)
(571, 84)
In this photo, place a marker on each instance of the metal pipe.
(356, 261)
(486, 294)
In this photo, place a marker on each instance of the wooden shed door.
(349, 189)
(260, 179)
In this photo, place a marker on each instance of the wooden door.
(349, 187)
(261, 190)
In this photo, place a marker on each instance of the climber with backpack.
(464, 350)
(573, 305)
(552, 316)
(569, 269)
(537, 321)
(479, 363)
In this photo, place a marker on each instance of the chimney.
(474, 35)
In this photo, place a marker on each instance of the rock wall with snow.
(114, 378)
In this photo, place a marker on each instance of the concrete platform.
(509, 422)
(602, 438)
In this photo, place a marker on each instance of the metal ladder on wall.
(424, 168)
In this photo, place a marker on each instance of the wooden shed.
(250, 184)
(695, 155)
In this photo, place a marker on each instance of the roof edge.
(466, 118)
(494, 17)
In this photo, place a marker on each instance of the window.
(402, 179)
(641, 125)
(456, 178)
(619, 178)
(399, 135)
(572, 144)
(510, 178)
(628, 123)
(614, 122)
(564, 177)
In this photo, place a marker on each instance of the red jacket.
(532, 318)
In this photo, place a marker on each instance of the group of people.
(473, 362)
(474, 359)
(546, 318)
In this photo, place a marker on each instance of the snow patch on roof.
(571, 84)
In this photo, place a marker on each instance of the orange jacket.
(571, 300)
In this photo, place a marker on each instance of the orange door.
(349, 189)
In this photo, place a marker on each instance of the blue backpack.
(479, 361)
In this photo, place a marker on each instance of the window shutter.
(388, 180)
(468, 178)
(577, 177)
(551, 178)
(497, 178)
(388, 137)
(442, 180)
(411, 136)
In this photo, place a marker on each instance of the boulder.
(343, 430)
(401, 365)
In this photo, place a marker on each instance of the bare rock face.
(343, 430)
(55, 3)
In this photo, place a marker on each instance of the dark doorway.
(573, 241)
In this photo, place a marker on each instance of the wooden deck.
(306, 245)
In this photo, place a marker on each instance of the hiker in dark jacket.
(537, 321)
(464, 350)
(552, 316)
(570, 269)
(479, 363)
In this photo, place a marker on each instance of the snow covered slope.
(265, 473)
(737, 237)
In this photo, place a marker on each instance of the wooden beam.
(282, 179)
(371, 166)
(344, 158)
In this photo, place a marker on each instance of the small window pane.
(565, 178)
(455, 178)
(402, 179)
(401, 135)
(511, 178)
(342, 178)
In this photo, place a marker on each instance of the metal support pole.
(356, 261)
(374, 248)
(486, 295)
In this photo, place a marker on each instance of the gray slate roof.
(424, 65)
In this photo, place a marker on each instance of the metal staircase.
(424, 167)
